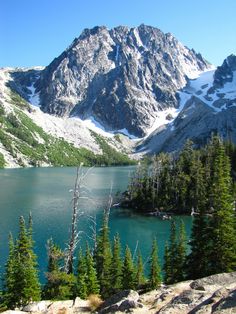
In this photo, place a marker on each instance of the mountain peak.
(122, 77)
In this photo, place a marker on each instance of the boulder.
(209, 283)
(121, 301)
(41, 306)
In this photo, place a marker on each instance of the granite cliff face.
(122, 77)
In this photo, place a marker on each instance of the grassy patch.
(2, 161)
(21, 138)
(110, 157)
(18, 101)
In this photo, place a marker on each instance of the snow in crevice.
(117, 52)
(138, 39)
(34, 98)
(95, 126)
(162, 118)
(126, 133)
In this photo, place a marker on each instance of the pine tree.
(155, 269)
(103, 258)
(81, 276)
(197, 261)
(173, 253)
(59, 285)
(167, 265)
(55, 258)
(92, 285)
(9, 296)
(26, 283)
(128, 277)
(116, 266)
(181, 253)
(140, 279)
(221, 235)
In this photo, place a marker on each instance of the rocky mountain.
(138, 82)
(214, 294)
(123, 77)
(207, 105)
(29, 137)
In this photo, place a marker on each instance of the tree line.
(181, 182)
(103, 269)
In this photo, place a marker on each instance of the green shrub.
(2, 161)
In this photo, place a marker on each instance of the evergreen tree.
(128, 277)
(55, 257)
(9, 296)
(197, 261)
(103, 257)
(116, 266)
(25, 274)
(155, 270)
(167, 265)
(59, 285)
(81, 276)
(173, 253)
(221, 235)
(140, 279)
(92, 285)
(181, 254)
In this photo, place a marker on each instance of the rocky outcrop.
(123, 301)
(211, 295)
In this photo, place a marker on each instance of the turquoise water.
(46, 193)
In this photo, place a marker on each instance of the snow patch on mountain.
(201, 87)
(34, 98)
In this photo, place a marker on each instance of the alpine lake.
(47, 193)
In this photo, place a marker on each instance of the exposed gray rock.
(41, 306)
(205, 112)
(217, 295)
(214, 280)
(122, 76)
(227, 304)
(126, 77)
(224, 73)
(122, 301)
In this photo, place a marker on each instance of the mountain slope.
(208, 106)
(122, 77)
(138, 82)
(29, 137)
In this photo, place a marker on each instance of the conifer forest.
(195, 181)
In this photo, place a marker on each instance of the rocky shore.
(214, 294)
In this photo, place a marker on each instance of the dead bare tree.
(93, 229)
(74, 233)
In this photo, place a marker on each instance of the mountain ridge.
(209, 106)
(117, 73)
(134, 86)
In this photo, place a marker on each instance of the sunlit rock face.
(123, 77)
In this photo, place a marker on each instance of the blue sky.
(33, 32)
